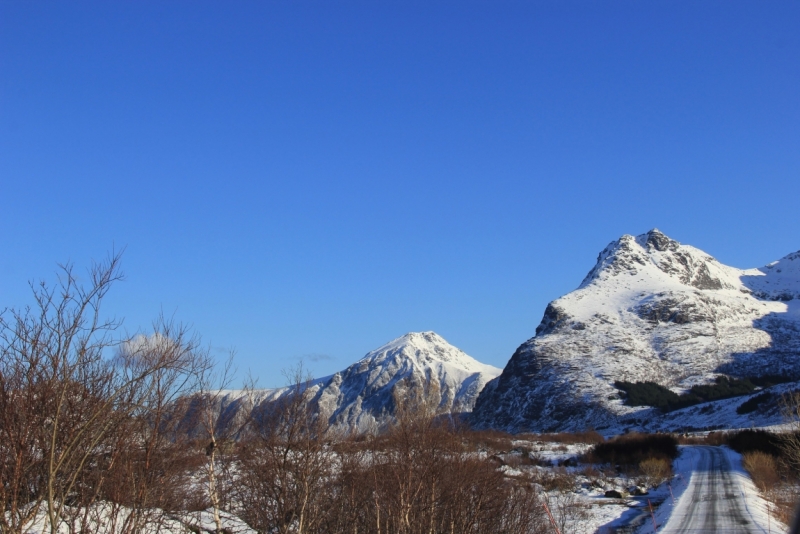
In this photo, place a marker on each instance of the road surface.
(716, 500)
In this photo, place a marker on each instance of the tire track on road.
(714, 501)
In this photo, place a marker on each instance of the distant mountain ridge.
(360, 398)
(650, 309)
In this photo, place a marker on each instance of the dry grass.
(763, 470)
(556, 479)
(487, 440)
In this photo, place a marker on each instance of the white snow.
(104, 520)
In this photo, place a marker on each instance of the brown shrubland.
(79, 428)
(100, 431)
(418, 476)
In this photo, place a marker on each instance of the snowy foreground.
(161, 524)
(709, 492)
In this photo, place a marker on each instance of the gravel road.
(715, 500)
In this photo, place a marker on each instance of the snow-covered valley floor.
(709, 491)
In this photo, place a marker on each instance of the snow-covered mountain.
(359, 398)
(651, 309)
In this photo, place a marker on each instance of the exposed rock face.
(650, 309)
(360, 398)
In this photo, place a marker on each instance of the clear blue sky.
(313, 179)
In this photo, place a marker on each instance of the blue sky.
(313, 179)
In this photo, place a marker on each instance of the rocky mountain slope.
(651, 309)
(359, 398)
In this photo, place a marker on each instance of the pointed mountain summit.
(651, 309)
(360, 397)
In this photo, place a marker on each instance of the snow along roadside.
(685, 466)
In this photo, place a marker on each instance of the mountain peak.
(657, 240)
(652, 257)
(423, 337)
(424, 348)
(362, 394)
(361, 397)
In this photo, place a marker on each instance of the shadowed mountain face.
(651, 309)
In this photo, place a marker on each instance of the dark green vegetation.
(631, 449)
(766, 381)
(658, 396)
(752, 404)
(648, 394)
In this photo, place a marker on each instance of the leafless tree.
(418, 477)
(286, 464)
(65, 400)
(153, 458)
(790, 406)
(217, 431)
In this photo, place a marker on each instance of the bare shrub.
(556, 479)
(631, 449)
(750, 440)
(567, 510)
(521, 456)
(790, 406)
(656, 471)
(592, 472)
(285, 464)
(487, 440)
(716, 438)
(420, 476)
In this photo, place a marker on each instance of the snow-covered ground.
(585, 502)
(578, 499)
(603, 515)
(105, 519)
